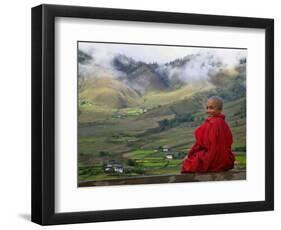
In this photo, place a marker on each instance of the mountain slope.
(108, 92)
(183, 83)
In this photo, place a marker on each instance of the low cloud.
(200, 64)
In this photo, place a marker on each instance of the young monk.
(211, 151)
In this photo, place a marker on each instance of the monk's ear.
(219, 109)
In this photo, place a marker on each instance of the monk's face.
(212, 107)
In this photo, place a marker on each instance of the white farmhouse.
(165, 148)
(169, 156)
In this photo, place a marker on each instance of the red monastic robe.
(211, 151)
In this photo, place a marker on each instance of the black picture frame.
(43, 114)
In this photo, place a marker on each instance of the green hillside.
(107, 92)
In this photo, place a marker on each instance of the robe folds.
(211, 151)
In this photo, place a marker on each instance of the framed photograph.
(149, 114)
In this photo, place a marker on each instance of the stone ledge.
(170, 178)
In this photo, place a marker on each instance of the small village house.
(165, 148)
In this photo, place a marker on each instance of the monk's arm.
(195, 148)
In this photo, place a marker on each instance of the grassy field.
(144, 166)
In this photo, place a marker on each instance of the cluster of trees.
(240, 149)
(132, 162)
(235, 90)
(180, 118)
(83, 57)
(125, 64)
(104, 154)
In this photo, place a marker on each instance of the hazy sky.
(154, 53)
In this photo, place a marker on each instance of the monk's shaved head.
(218, 101)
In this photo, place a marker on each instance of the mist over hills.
(121, 81)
